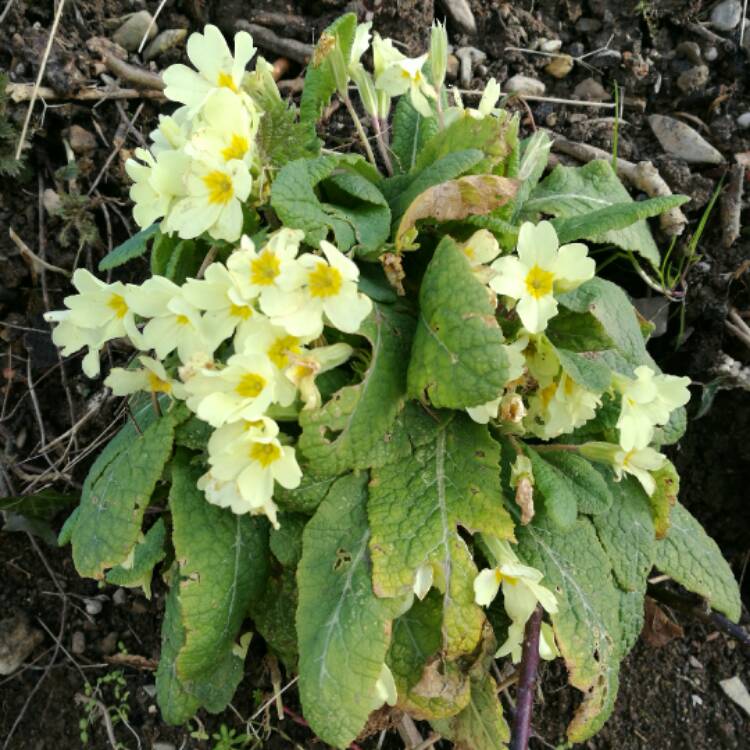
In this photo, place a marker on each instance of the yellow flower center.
(240, 311)
(546, 394)
(157, 385)
(281, 348)
(220, 188)
(236, 149)
(264, 269)
(501, 577)
(324, 281)
(225, 80)
(405, 74)
(469, 252)
(183, 320)
(265, 453)
(118, 304)
(250, 385)
(627, 457)
(251, 424)
(569, 387)
(539, 282)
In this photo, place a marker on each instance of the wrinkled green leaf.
(578, 332)
(481, 725)
(457, 358)
(560, 503)
(694, 560)
(273, 615)
(531, 167)
(452, 479)
(223, 564)
(410, 132)
(286, 541)
(592, 491)
(344, 629)
(616, 217)
(148, 553)
(353, 429)
(587, 625)
(115, 495)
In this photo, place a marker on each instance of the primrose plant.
(382, 410)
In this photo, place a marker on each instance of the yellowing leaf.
(455, 199)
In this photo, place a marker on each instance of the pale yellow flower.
(151, 378)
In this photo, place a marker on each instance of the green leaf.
(560, 501)
(147, 555)
(193, 433)
(674, 429)
(353, 429)
(428, 686)
(451, 479)
(570, 192)
(619, 216)
(177, 704)
(286, 541)
(45, 504)
(611, 307)
(185, 260)
(308, 496)
(223, 561)
(131, 248)
(410, 132)
(531, 168)
(578, 332)
(587, 624)
(402, 190)
(281, 138)
(457, 358)
(585, 369)
(344, 629)
(115, 495)
(481, 725)
(273, 615)
(320, 84)
(626, 532)
(486, 134)
(161, 251)
(694, 560)
(592, 491)
(66, 532)
(360, 219)
(356, 200)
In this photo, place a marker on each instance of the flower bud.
(522, 478)
(438, 54)
(366, 88)
(512, 408)
(602, 452)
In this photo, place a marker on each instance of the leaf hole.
(343, 558)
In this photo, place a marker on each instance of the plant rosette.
(389, 411)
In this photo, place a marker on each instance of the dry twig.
(731, 205)
(291, 48)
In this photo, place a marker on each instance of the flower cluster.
(271, 305)
(200, 168)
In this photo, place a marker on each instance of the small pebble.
(93, 607)
(576, 49)
(462, 16)
(680, 140)
(726, 15)
(525, 86)
(560, 66)
(591, 90)
(131, 33)
(120, 597)
(452, 70)
(163, 746)
(81, 140)
(17, 640)
(588, 25)
(51, 201)
(551, 120)
(690, 51)
(108, 644)
(744, 120)
(165, 41)
(78, 643)
(550, 45)
(711, 54)
(693, 80)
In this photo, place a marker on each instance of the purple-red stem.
(526, 682)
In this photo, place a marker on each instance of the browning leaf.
(453, 200)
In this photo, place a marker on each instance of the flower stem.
(526, 682)
(360, 130)
(382, 145)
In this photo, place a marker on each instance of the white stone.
(525, 86)
(726, 15)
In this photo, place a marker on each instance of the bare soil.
(670, 696)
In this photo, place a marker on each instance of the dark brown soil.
(670, 697)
